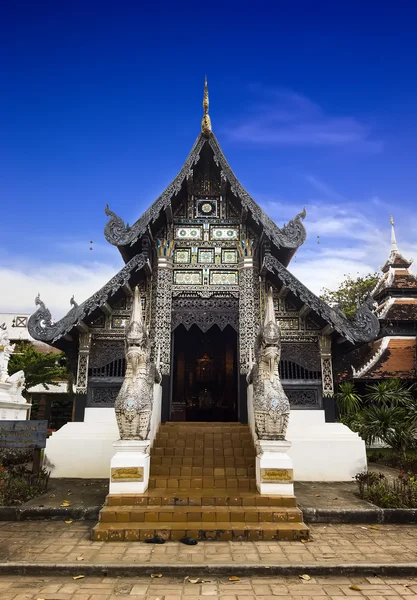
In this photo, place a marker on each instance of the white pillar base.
(129, 467)
(274, 470)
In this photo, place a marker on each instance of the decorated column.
(248, 302)
(80, 401)
(163, 305)
(325, 346)
(83, 359)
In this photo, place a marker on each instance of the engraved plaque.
(125, 474)
(277, 475)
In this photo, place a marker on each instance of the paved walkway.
(52, 542)
(92, 588)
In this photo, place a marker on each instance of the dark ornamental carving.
(300, 398)
(102, 396)
(104, 352)
(205, 313)
(115, 231)
(292, 235)
(365, 326)
(40, 324)
(366, 323)
(306, 355)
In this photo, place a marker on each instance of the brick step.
(185, 433)
(208, 461)
(212, 498)
(203, 451)
(199, 483)
(213, 514)
(206, 425)
(199, 443)
(201, 531)
(202, 471)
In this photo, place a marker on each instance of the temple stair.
(202, 485)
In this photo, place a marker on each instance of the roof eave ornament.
(206, 121)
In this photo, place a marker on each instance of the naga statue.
(270, 403)
(133, 404)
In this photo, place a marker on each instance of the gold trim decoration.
(206, 121)
(126, 474)
(277, 476)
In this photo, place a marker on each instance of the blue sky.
(313, 103)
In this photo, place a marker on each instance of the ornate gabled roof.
(290, 236)
(364, 327)
(395, 260)
(396, 278)
(40, 324)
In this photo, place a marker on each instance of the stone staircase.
(202, 485)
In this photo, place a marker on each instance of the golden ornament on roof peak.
(206, 122)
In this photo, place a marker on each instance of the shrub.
(398, 493)
(18, 485)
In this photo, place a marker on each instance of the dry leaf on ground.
(355, 587)
(318, 495)
(234, 578)
(79, 577)
(305, 577)
(80, 558)
(68, 522)
(373, 527)
(65, 503)
(156, 575)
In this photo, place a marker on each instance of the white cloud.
(56, 282)
(285, 118)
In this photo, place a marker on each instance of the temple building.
(204, 257)
(393, 353)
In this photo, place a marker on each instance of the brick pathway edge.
(201, 570)
(311, 515)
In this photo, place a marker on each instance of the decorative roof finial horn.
(393, 238)
(206, 122)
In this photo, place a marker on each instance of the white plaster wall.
(320, 451)
(85, 449)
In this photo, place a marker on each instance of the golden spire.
(206, 122)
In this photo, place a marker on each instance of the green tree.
(351, 293)
(348, 402)
(39, 368)
(390, 414)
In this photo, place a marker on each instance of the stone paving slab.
(51, 542)
(166, 588)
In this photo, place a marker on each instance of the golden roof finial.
(206, 122)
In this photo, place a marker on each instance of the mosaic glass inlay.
(188, 277)
(224, 277)
(182, 255)
(229, 256)
(206, 255)
(119, 322)
(224, 233)
(288, 323)
(189, 233)
(206, 208)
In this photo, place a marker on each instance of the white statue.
(133, 404)
(6, 350)
(270, 403)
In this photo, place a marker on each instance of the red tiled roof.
(398, 361)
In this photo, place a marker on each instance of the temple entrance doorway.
(205, 374)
